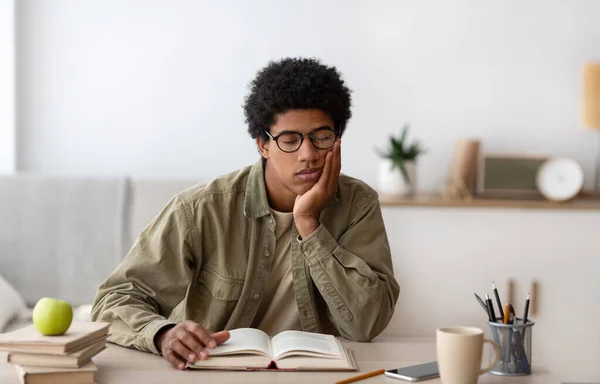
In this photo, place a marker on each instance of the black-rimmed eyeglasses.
(291, 141)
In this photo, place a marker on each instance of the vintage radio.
(508, 176)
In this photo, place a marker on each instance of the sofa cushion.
(148, 198)
(11, 303)
(60, 237)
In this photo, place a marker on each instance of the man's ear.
(263, 147)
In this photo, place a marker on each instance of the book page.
(233, 362)
(297, 342)
(243, 340)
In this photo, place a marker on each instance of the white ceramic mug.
(459, 353)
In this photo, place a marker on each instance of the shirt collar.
(256, 203)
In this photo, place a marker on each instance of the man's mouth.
(310, 174)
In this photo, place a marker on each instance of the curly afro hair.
(296, 83)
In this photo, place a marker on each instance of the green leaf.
(396, 146)
(404, 173)
(399, 150)
(404, 132)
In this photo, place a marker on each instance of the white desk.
(121, 365)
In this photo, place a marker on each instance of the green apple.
(52, 317)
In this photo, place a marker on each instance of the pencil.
(360, 377)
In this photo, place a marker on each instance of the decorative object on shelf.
(397, 173)
(463, 170)
(454, 190)
(509, 176)
(591, 110)
(559, 179)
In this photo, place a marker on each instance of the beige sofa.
(61, 236)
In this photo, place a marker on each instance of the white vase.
(390, 180)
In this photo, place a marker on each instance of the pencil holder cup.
(514, 341)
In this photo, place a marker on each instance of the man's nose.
(307, 151)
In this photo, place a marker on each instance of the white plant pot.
(390, 180)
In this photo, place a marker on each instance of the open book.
(251, 349)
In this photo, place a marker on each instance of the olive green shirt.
(207, 256)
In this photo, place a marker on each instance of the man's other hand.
(187, 342)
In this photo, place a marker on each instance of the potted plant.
(397, 169)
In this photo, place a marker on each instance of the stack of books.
(55, 359)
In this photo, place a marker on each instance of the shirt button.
(267, 253)
(256, 296)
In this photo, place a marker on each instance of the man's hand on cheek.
(308, 206)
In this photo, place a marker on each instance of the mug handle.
(496, 357)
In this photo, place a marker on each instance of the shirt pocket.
(220, 287)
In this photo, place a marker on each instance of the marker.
(526, 309)
(490, 306)
(512, 318)
(498, 300)
(512, 313)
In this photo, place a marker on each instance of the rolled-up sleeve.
(355, 274)
(151, 281)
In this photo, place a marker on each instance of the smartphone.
(415, 372)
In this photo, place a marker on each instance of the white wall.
(442, 256)
(7, 87)
(154, 88)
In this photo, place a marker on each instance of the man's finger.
(180, 352)
(190, 341)
(202, 335)
(336, 167)
(324, 178)
(221, 337)
(339, 156)
(175, 360)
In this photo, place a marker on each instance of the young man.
(287, 243)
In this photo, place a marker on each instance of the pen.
(360, 377)
(526, 309)
(491, 313)
(498, 300)
(481, 302)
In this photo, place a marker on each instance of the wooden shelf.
(434, 200)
